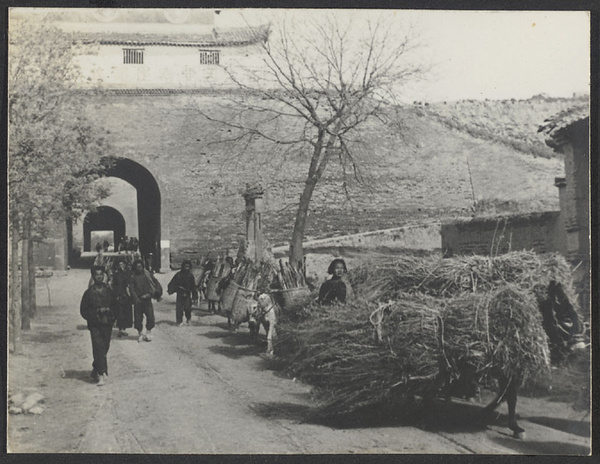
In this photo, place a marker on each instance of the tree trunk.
(15, 305)
(31, 266)
(25, 310)
(296, 251)
(315, 172)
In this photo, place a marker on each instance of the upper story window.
(209, 57)
(133, 56)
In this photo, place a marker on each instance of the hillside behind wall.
(425, 172)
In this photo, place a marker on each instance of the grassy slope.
(511, 122)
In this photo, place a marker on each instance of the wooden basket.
(294, 296)
(211, 289)
(239, 308)
(228, 296)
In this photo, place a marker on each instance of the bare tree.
(316, 84)
(51, 142)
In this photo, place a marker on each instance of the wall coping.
(373, 233)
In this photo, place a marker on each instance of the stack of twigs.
(421, 341)
(289, 276)
(252, 276)
(463, 320)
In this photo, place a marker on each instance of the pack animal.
(261, 312)
(566, 334)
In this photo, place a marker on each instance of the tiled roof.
(219, 38)
(556, 127)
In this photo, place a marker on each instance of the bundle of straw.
(547, 277)
(420, 340)
(437, 276)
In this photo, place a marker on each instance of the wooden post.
(254, 208)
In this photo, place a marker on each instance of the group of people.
(128, 244)
(125, 300)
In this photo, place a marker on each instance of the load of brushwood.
(254, 276)
(419, 322)
(547, 277)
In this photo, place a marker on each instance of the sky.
(493, 54)
(479, 54)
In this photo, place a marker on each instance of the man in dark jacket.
(121, 285)
(144, 287)
(98, 307)
(184, 284)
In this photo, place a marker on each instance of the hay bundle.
(359, 355)
(437, 276)
(498, 333)
(547, 277)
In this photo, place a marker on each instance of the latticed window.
(209, 57)
(133, 56)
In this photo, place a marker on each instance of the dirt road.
(201, 389)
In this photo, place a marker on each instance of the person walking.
(144, 287)
(184, 284)
(98, 308)
(121, 284)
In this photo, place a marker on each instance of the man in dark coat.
(121, 284)
(98, 308)
(184, 284)
(144, 287)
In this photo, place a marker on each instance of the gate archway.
(148, 203)
(104, 218)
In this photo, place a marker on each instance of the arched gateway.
(148, 210)
(104, 218)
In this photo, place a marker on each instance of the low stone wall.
(539, 232)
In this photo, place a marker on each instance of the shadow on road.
(233, 339)
(235, 352)
(84, 376)
(581, 428)
(222, 325)
(82, 327)
(290, 411)
(163, 322)
(48, 337)
(454, 417)
(542, 447)
(447, 418)
(218, 334)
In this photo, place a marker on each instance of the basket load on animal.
(426, 326)
(249, 278)
(220, 270)
(293, 290)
